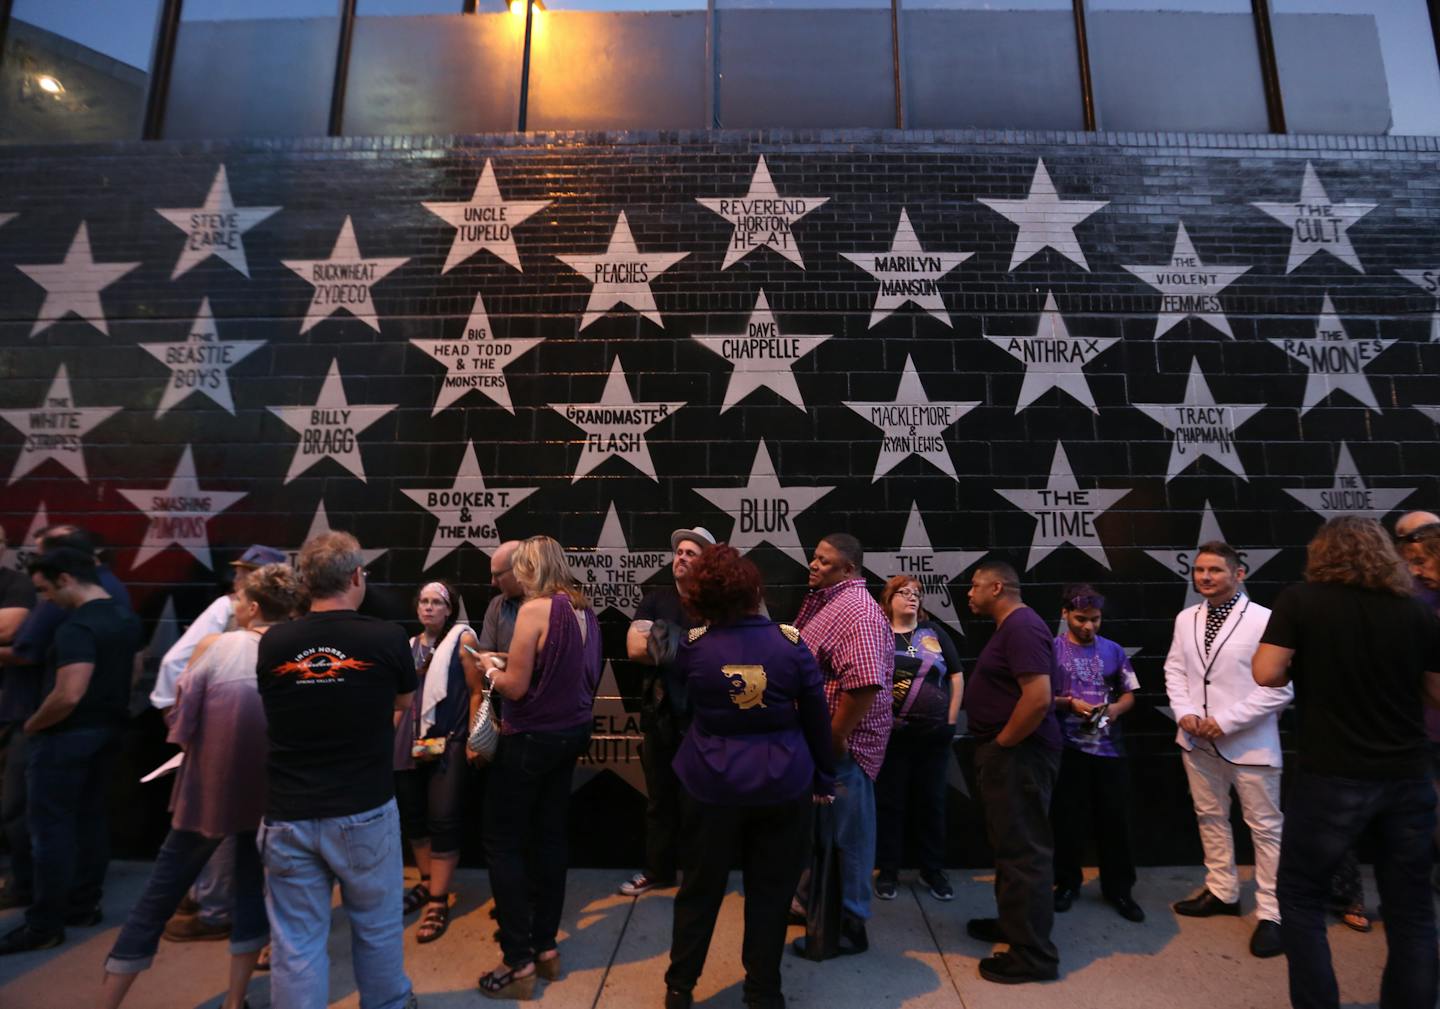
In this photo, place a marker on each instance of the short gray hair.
(327, 562)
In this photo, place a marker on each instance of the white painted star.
(1053, 358)
(1063, 512)
(1200, 426)
(7, 218)
(10, 557)
(467, 510)
(1348, 495)
(761, 357)
(765, 511)
(913, 424)
(612, 574)
(1181, 561)
(485, 222)
(54, 429)
(615, 425)
(320, 524)
(615, 742)
(344, 280)
(621, 275)
(330, 427)
(201, 362)
(214, 228)
(1316, 224)
(1188, 287)
(1433, 412)
(1045, 220)
(907, 273)
(1429, 281)
(178, 513)
(762, 217)
(1336, 361)
(476, 360)
(935, 569)
(74, 284)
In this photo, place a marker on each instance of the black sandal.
(548, 967)
(435, 920)
(507, 985)
(417, 895)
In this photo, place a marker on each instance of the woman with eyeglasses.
(430, 765)
(925, 702)
(548, 686)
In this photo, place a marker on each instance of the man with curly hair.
(1364, 656)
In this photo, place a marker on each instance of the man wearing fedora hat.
(663, 716)
(205, 912)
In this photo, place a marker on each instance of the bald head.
(501, 575)
(1411, 521)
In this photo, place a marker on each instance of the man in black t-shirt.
(1364, 656)
(331, 683)
(662, 716)
(74, 736)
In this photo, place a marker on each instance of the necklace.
(909, 640)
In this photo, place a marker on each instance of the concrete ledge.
(615, 950)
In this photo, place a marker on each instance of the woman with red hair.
(756, 756)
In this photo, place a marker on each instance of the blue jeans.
(179, 862)
(854, 835)
(1323, 818)
(214, 888)
(527, 813)
(303, 860)
(67, 776)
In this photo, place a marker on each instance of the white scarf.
(437, 678)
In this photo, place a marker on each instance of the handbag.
(485, 732)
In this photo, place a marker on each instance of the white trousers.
(1211, 779)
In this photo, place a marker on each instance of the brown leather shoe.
(186, 929)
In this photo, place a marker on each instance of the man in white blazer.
(1230, 734)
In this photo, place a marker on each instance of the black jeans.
(663, 814)
(770, 843)
(12, 814)
(1323, 818)
(1093, 792)
(912, 781)
(68, 779)
(1016, 783)
(527, 813)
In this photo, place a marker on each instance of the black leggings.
(430, 797)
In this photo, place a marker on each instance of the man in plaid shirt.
(852, 641)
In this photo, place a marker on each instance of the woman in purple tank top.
(548, 686)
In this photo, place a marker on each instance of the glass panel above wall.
(1357, 66)
(804, 63)
(1192, 65)
(437, 74)
(617, 64)
(990, 63)
(253, 68)
(76, 70)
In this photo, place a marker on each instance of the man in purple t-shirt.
(1094, 685)
(1008, 703)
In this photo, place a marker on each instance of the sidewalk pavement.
(615, 949)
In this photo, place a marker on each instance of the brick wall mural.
(1083, 354)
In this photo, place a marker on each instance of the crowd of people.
(319, 742)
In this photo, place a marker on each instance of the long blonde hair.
(541, 569)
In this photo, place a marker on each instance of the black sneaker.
(83, 917)
(886, 886)
(985, 930)
(1002, 968)
(939, 885)
(24, 939)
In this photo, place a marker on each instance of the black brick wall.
(1151, 182)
